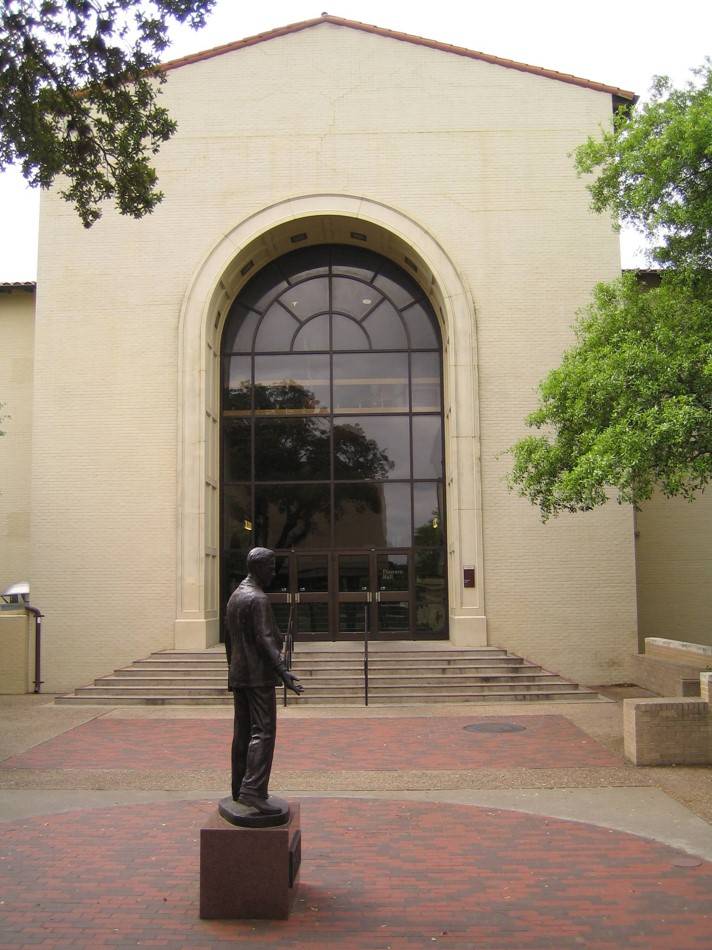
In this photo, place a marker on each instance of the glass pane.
(394, 617)
(313, 573)
(428, 513)
(372, 447)
(312, 619)
(430, 592)
(385, 328)
(276, 330)
(280, 581)
(348, 335)
(397, 515)
(237, 394)
(239, 329)
(237, 456)
(292, 516)
(359, 516)
(307, 298)
(372, 515)
(263, 288)
(314, 334)
(306, 262)
(427, 447)
(281, 615)
(237, 517)
(292, 449)
(294, 383)
(371, 381)
(352, 618)
(234, 570)
(392, 572)
(425, 368)
(353, 573)
(356, 261)
(396, 284)
(421, 327)
(352, 296)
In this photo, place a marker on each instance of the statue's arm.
(229, 620)
(267, 643)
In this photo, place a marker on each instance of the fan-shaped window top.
(321, 299)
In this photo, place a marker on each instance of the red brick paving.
(415, 743)
(375, 874)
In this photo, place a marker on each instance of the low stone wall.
(695, 655)
(16, 652)
(664, 677)
(667, 731)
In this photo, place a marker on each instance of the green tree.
(78, 96)
(630, 406)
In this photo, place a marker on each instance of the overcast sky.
(619, 42)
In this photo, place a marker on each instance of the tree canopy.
(630, 406)
(78, 96)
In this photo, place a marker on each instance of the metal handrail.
(365, 650)
(289, 644)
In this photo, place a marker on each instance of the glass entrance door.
(374, 589)
(301, 589)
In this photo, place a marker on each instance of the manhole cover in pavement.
(494, 727)
(686, 863)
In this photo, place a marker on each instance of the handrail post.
(38, 615)
(365, 650)
(288, 645)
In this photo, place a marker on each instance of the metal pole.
(365, 653)
(38, 643)
(288, 646)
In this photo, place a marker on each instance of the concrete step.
(419, 678)
(466, 669)
(331, 700)
(332, 689)
(333, 675)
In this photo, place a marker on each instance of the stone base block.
(667, 731)
(249, 872)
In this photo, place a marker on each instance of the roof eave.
(623, 96)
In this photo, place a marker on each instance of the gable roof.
(620, 95)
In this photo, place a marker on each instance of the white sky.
(619, 42)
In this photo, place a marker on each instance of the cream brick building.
(451, 168)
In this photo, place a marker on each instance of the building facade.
(371, 249)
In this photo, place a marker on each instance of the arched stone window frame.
(238, 255)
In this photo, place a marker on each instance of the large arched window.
(332, 444)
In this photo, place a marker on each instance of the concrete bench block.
(674, 731)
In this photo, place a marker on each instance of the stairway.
(332, 674)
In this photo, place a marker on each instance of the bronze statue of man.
(253, 646)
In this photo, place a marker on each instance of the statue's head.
(260, 563)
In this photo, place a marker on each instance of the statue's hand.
(292, 682)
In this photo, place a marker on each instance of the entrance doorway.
(334, 594)
(332, 445)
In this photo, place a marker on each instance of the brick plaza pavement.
(335, 743)
(389, 869)
(375, 875)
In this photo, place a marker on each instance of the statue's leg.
(260, 751)
(240, 740)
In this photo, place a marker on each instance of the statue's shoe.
(262, 805)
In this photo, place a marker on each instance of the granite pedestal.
(249, 872)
